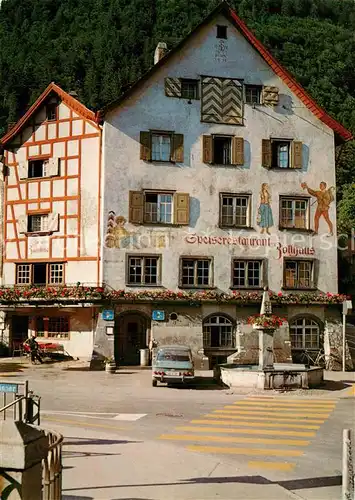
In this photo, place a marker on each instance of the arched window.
(218, 332)
(304, 333)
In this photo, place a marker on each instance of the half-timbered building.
(50, 225)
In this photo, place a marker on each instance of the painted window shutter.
(172, 87)
(51, 167)
(23, 169)
(297, 155)
(222, 100)
(53, 222)
(207, 148)
(146, 146)
(270, 95)
(178, 148)
(136, 207)
(22, 224)
(238, 151)
(266, 153)
(182, 208)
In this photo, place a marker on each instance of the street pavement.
(127, 440)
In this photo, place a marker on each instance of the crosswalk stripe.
(288, 406)
(276, 412)
(280, 410)
(308, 401)
(229, 439)
(245, 451)
(286, 466)
(241, 414)
(250, 424)
(255, 431)
(223, 430)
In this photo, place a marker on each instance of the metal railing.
(24, 406)
(52, 468)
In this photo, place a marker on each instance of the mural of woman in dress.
(265, 219)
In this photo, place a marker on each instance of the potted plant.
(265, 321)
(110, 365)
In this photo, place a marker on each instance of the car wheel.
(154, 383)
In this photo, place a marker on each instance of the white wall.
(149, 108)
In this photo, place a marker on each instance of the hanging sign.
(108, 314)
(158, 315)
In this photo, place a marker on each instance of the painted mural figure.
(116, 235)
(324, 198)
(265, 219)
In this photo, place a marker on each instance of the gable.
(256, 51)
(54, 96)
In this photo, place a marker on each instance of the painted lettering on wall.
(228, 240)
(38, 245)
(282, 250)
(293, 251)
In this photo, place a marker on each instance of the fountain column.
(266, 335)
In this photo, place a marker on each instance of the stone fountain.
(267, 374)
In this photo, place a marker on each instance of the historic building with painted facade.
(219, 180)
(50, 224)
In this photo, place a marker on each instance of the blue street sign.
(9, 388)
(158, 315)
(108, 315)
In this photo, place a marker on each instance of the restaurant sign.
(250, 242)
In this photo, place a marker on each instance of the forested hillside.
(97, 47)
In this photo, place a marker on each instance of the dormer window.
(221, 31)
(51, 112)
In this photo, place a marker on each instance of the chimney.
(160, 51)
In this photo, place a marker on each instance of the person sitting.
(34, 349)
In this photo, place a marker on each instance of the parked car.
(172, 364)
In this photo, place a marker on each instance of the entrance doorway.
(131, 335)
(19, 329)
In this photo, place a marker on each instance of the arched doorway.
(131, 335)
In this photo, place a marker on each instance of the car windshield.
(173, 356)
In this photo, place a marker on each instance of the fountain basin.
(281, 376)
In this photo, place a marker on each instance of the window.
(305, 334)
(40, 273)
(161, 147)
(294, 213)
(247, 274)
(221, 31)
(218, 332)
(37, 223)
(51, 112)
(298, 274)
(253, 94)
(222, 154)
(149, 207)
(234, 210)
(281, 154)
(37, 168)
(196, 273)
(223, 150)
(55, 327)
(56, 274)
(158, 208)
(23, 274)
(58, 327)
(189, 89)
(143, 270)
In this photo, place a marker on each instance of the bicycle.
(308, 358)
